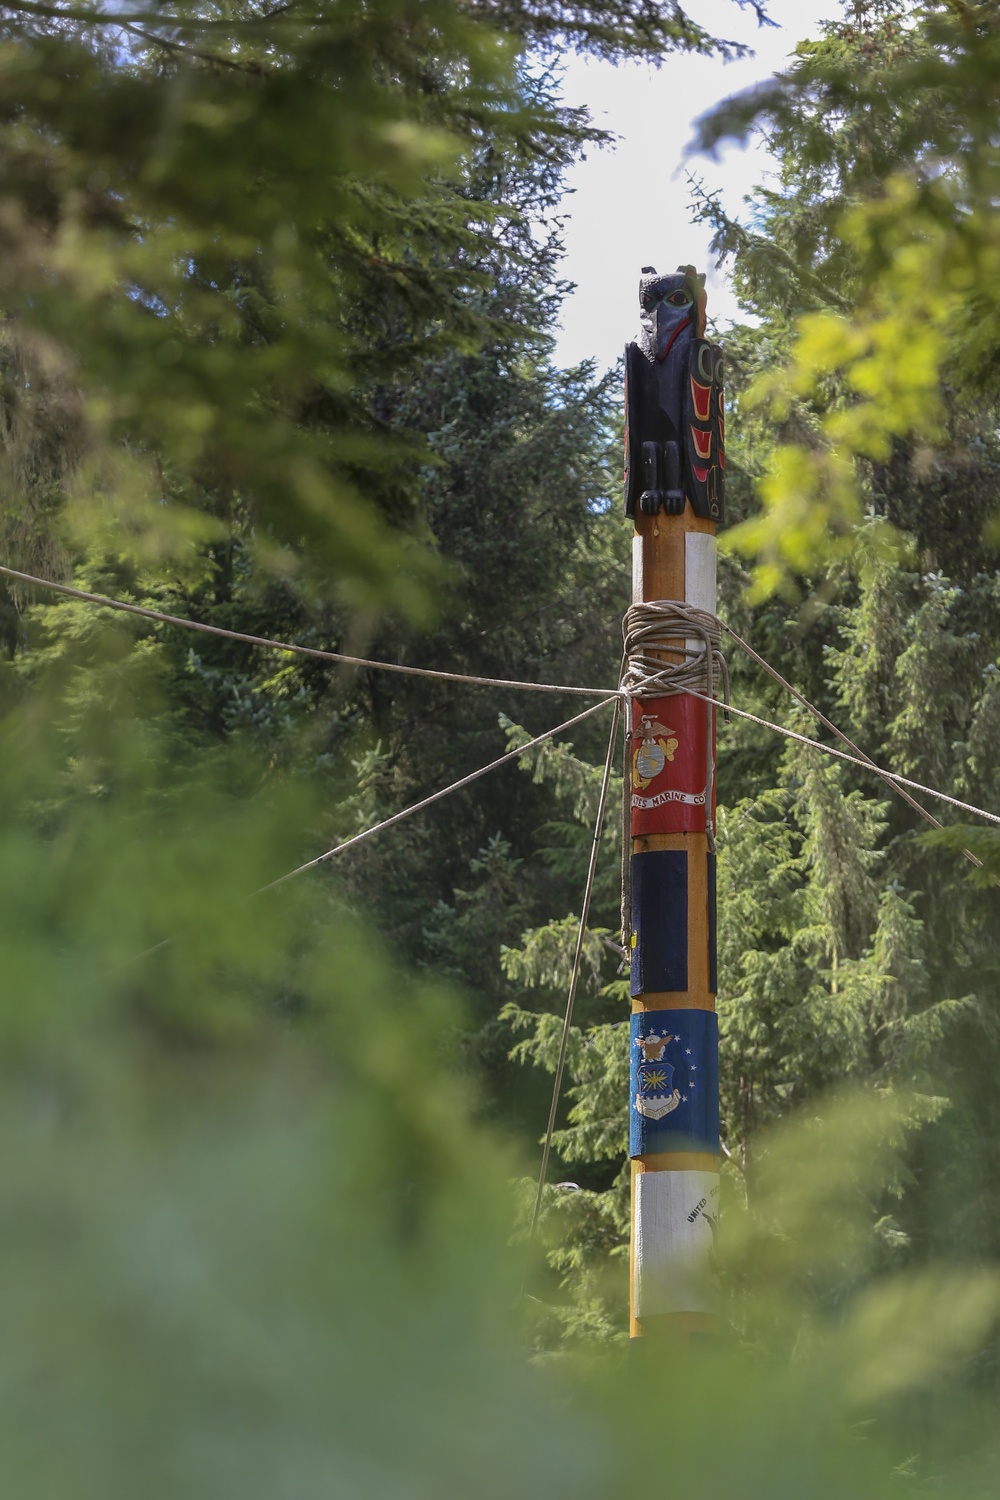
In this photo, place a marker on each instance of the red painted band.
(669, 766)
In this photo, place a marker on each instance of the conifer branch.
(213, 58)
(711, 209)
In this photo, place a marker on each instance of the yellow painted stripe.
(676, 1161)
(672, 1000)
(646, 843)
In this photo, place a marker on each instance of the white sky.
(630, 203)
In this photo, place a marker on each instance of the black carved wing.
(704, 431)
(635, 371)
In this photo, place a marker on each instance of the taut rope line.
(854, 760)
(577, 956)
(406, 812)
(105, 601)
(446, 791)
(644, 624)
(927, 816)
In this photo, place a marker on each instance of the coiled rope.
(666, 625)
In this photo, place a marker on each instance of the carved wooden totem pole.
(674, 493)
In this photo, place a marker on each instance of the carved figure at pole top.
(675, 433)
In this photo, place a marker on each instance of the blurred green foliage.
(255, 1242)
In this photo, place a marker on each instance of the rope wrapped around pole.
(657, 626)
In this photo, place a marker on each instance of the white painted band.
(700, 563)
(701, 553)
(637, 595)
(673, 1233)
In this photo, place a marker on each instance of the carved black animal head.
(667, 306)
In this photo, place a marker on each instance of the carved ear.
(649, 270)
(701, 279)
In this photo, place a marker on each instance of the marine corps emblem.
(656, 745)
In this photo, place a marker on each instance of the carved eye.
(679, 298)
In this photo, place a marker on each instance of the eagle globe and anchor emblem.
(656, 1094)
(657, 744)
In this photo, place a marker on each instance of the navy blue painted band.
(674, 1081)
(659, 921)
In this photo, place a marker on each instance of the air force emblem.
(655, 1095)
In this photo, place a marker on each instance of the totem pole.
(674, 474)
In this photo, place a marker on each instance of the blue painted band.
(659, 921)
(674, 1081)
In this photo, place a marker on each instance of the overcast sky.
(630, 204)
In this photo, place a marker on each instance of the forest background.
(279, 289)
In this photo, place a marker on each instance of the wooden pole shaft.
(674, 1089)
